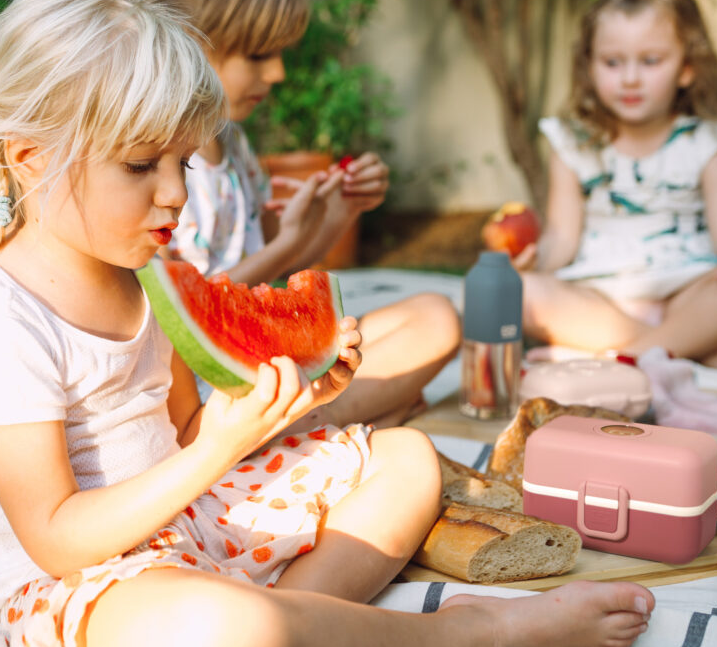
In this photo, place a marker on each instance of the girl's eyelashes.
(139, 167)
(146, 167)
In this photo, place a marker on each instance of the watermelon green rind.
(201, 355)
(199, 352)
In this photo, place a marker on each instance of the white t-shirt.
(110, 395)
(221, 222)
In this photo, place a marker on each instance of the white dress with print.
(645, 234)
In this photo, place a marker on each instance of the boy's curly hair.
(248, 27)
(700, 98)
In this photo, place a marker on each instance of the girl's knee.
(437, 314)
(409, 458)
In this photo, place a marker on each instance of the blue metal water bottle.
(492, 338)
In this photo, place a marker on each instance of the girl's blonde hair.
(81, 77)
(700, 98)
(249, 27)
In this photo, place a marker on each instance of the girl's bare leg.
(186, 608)
(369, 536)
(558, 312)
(687, 329)
(404, 346)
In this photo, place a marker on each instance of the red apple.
(511, 229)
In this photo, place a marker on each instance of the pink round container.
(593, 382)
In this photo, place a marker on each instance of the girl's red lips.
(163, 235)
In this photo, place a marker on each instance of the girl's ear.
(686, 77)
(25, 159)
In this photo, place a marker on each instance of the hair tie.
(5, 201)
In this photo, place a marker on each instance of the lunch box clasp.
(602, 510)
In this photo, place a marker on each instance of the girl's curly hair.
(700, 98)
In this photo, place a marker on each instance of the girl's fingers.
(265, 389)
(351, 357)
(350, 339)
(347, 323)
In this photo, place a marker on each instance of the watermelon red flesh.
(224, 331)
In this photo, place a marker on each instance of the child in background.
(627, 257)
(404, 344)
(129, 513)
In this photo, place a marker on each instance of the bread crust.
(506, 460)
(479, 544)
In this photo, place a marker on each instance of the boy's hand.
(301, 215)
(365, 182)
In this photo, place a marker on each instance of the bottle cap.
(493, 300)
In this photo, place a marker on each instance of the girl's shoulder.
(572, 142)
(18, 307)
(693, 140)
(27, 334)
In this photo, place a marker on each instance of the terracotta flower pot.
(300, 165)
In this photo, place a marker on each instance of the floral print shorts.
(250, 525)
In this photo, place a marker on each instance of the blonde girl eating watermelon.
(405, 344)
(129, 513)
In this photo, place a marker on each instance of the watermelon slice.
(223, 331)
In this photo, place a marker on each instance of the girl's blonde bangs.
(153, 91)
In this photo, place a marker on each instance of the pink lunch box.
(631, 489)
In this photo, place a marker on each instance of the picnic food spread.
(224, 331)
(481, 536)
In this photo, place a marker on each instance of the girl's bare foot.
(579, 614)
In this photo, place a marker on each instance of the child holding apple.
(230, 197)
(627, 257)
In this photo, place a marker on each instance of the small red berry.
(345, 161)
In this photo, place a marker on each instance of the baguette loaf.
(484, 545)
(465, 485)
(506, 460)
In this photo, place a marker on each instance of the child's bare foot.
(579, 614)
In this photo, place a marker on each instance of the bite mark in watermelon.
(224, 331)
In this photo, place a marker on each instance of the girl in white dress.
(627, 257)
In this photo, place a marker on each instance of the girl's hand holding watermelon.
(281, 396)
(339, 376)
(238, 426)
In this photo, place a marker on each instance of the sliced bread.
(465, 485)
(479, 544)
